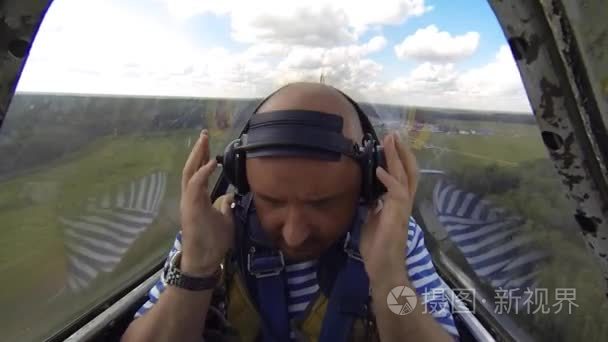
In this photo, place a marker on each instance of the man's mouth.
(309, 251)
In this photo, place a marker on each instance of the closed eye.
(270, 200)
(324, 202)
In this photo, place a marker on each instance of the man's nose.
(295, 230)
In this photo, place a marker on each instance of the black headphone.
(369, 155)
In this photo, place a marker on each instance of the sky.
(438, 53)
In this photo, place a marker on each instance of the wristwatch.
(175, 277)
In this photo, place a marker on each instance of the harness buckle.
(265, 266)
(351, 250)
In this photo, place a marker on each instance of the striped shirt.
(302, 286)
(302, 282)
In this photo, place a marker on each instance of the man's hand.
(384, 235)
(207, 233)
(384, 247)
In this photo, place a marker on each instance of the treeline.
(40, 128)
(436, 115)
(100, 114)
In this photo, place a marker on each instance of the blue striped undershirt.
(301, 286)
(302, 281)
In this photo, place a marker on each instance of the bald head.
(306, 204)
(320, 98)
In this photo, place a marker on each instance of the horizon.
(99, 95)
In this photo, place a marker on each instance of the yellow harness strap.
(311, 327)
(242, 315)
(245, 319)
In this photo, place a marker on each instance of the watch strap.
(175, 277)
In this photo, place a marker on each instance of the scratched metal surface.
(19, 22)
(564, 75)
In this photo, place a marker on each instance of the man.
(304, 206)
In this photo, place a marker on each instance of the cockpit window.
(115, 93)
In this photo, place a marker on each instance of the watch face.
(173, 276)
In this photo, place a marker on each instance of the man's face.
(304, 205)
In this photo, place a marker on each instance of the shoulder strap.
(262, 268)
(241, 312)
(232, 317)
(350, 293)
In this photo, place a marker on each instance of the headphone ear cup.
(379, 159)
(372, 156)
(367, 170)
(240, 172)
(233, 165)
(228, 159)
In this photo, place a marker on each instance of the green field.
(31, 241)
(502, 150)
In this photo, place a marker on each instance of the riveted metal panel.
(555, 73)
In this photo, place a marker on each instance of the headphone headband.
(297, 133)
(304, 133)
(366, 124)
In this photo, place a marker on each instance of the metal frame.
(476, 328)
(565, 107)
(19, 23)
(504, 326)
(111, 314)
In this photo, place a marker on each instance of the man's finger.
(205, 146)
(397, 198)
(395, 189)
(393, 161)
(200, 180)
(194, 160)
(225, 207)
(410, 164)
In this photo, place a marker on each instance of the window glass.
(498, 211)
(490, 199)
(95, 139)
(91, 166)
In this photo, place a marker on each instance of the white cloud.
(494, 86)
(500, 77)
(346, 67)
(312, 23)
(77, 54)
(134, 55)
(188, 8)
(315, 57)
(428, 79)
(137, 55)
(323, 26)
(430, 44)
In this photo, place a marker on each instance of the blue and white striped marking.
(490, 239)
(97, 239)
